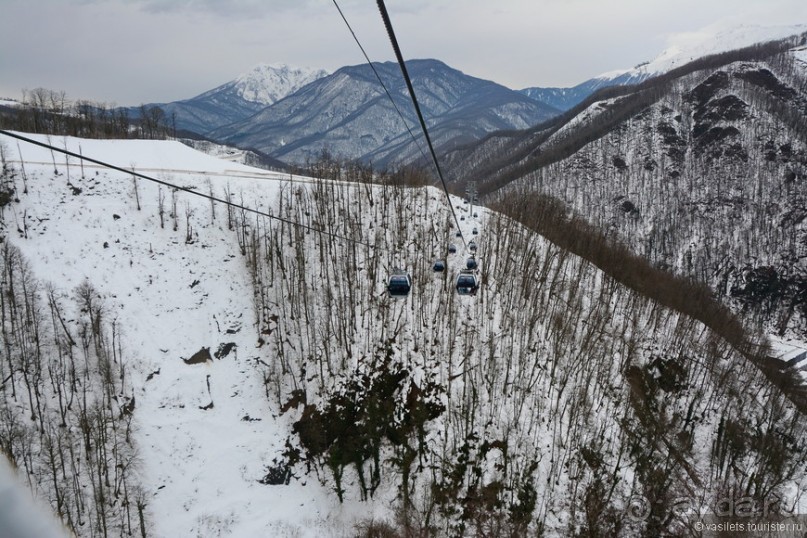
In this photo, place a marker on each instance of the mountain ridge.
(234, 100)
(348, 114)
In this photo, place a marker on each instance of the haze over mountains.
(347, 112)
(565, 98)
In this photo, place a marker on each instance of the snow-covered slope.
(505, 413)
(687, 47)
(173, 296)
(800, 54)
(236, 155)
(680, 175)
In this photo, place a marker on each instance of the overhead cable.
(372, 66)
(391, 33)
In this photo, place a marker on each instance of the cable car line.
(400, 282)
(391, 33)
(179, 188)
(389, 95)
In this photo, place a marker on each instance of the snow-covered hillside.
(172, 296)
(553, 401)
(235, 155)
(684, 48)
(705, 180)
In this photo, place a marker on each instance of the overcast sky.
(130, 52)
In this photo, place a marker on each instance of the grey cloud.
(221, 8)
(134, 51)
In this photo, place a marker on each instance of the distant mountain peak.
(268, 83)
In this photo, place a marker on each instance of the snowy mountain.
(709, 41)
(699, 171)
(684, 49)
(349, 115)
(237, 99)
(190, 368)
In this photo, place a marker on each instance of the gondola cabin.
(452, 249)
(472, 246)
(400, 284)
(467, 283)
(470, 263)
(439, 266)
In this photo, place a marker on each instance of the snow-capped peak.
(684, 47)
(268, 83)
